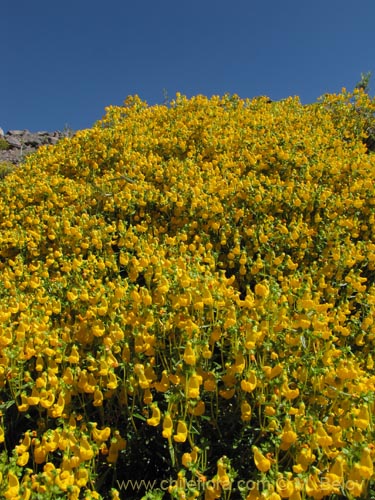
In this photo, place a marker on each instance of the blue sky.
(62, 62)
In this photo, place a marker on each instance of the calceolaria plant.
(6, 168)
(187, 303)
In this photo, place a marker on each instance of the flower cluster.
(197, 278)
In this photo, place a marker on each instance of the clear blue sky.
(63, 61)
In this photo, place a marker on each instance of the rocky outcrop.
(16, 144)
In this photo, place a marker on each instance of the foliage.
(364, 83)
(356, 112)
(6, 168)
(4, 144)
(187, 298)
(68, 131)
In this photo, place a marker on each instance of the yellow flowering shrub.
(188, 292)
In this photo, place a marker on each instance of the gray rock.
(17, 132)
(13, 141)
(53, 140)
(1, 132)
(32, 140)
(24, 142)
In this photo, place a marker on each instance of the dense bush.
(187, 296)
(4, 145)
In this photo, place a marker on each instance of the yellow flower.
(73, 358)
(39, 363)
(227, 393)
(186, 460)
(210, 383)
(112, 380)
(49, 472)
(288, 435)
(304, 458)
(285, 486)
(144, 382)
(193, 386)
(212, 491)
(85, 450)
(47, 398)
(25, 444)
(117, 444)
(321, 436)
(147, 397)
(289, 393)
(197, 408)
(245, 411)
(189, 355)
(58, 408)
(254, 494)
(98, 329)
(98, 397)
(155, 418)
(13, 487)
(6, 338)
(250, 383)
(270, 411)
(262, 463)
(362, 419)
(70, 462)
(273, 496)
(64, 479)
(167, 426)
(355, 483)
(261, 290)
(239, 364)
(115, 495)
(164, 383)
(71, 296)
(335, 476)
(313, 488)
(206, 352)
(182, 432)
(23, 459)
(366, 465)
(99, 436)
(39, 451)
(272, 372)
(222, 476)
(68, 376)
(189, 459)
(52, 440)
(81, 477)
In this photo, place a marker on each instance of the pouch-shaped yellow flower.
(245, 411)
(13, 486)
(288, 435)
(322, 438)
(155, 418)
(167, 426)
(262, 463)
(85, 450)
(366, 465)
(182, 432)
(164, 383)
(362, 419)
(100, 436)
(189, 355)
(250, 383)
(193, 386)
